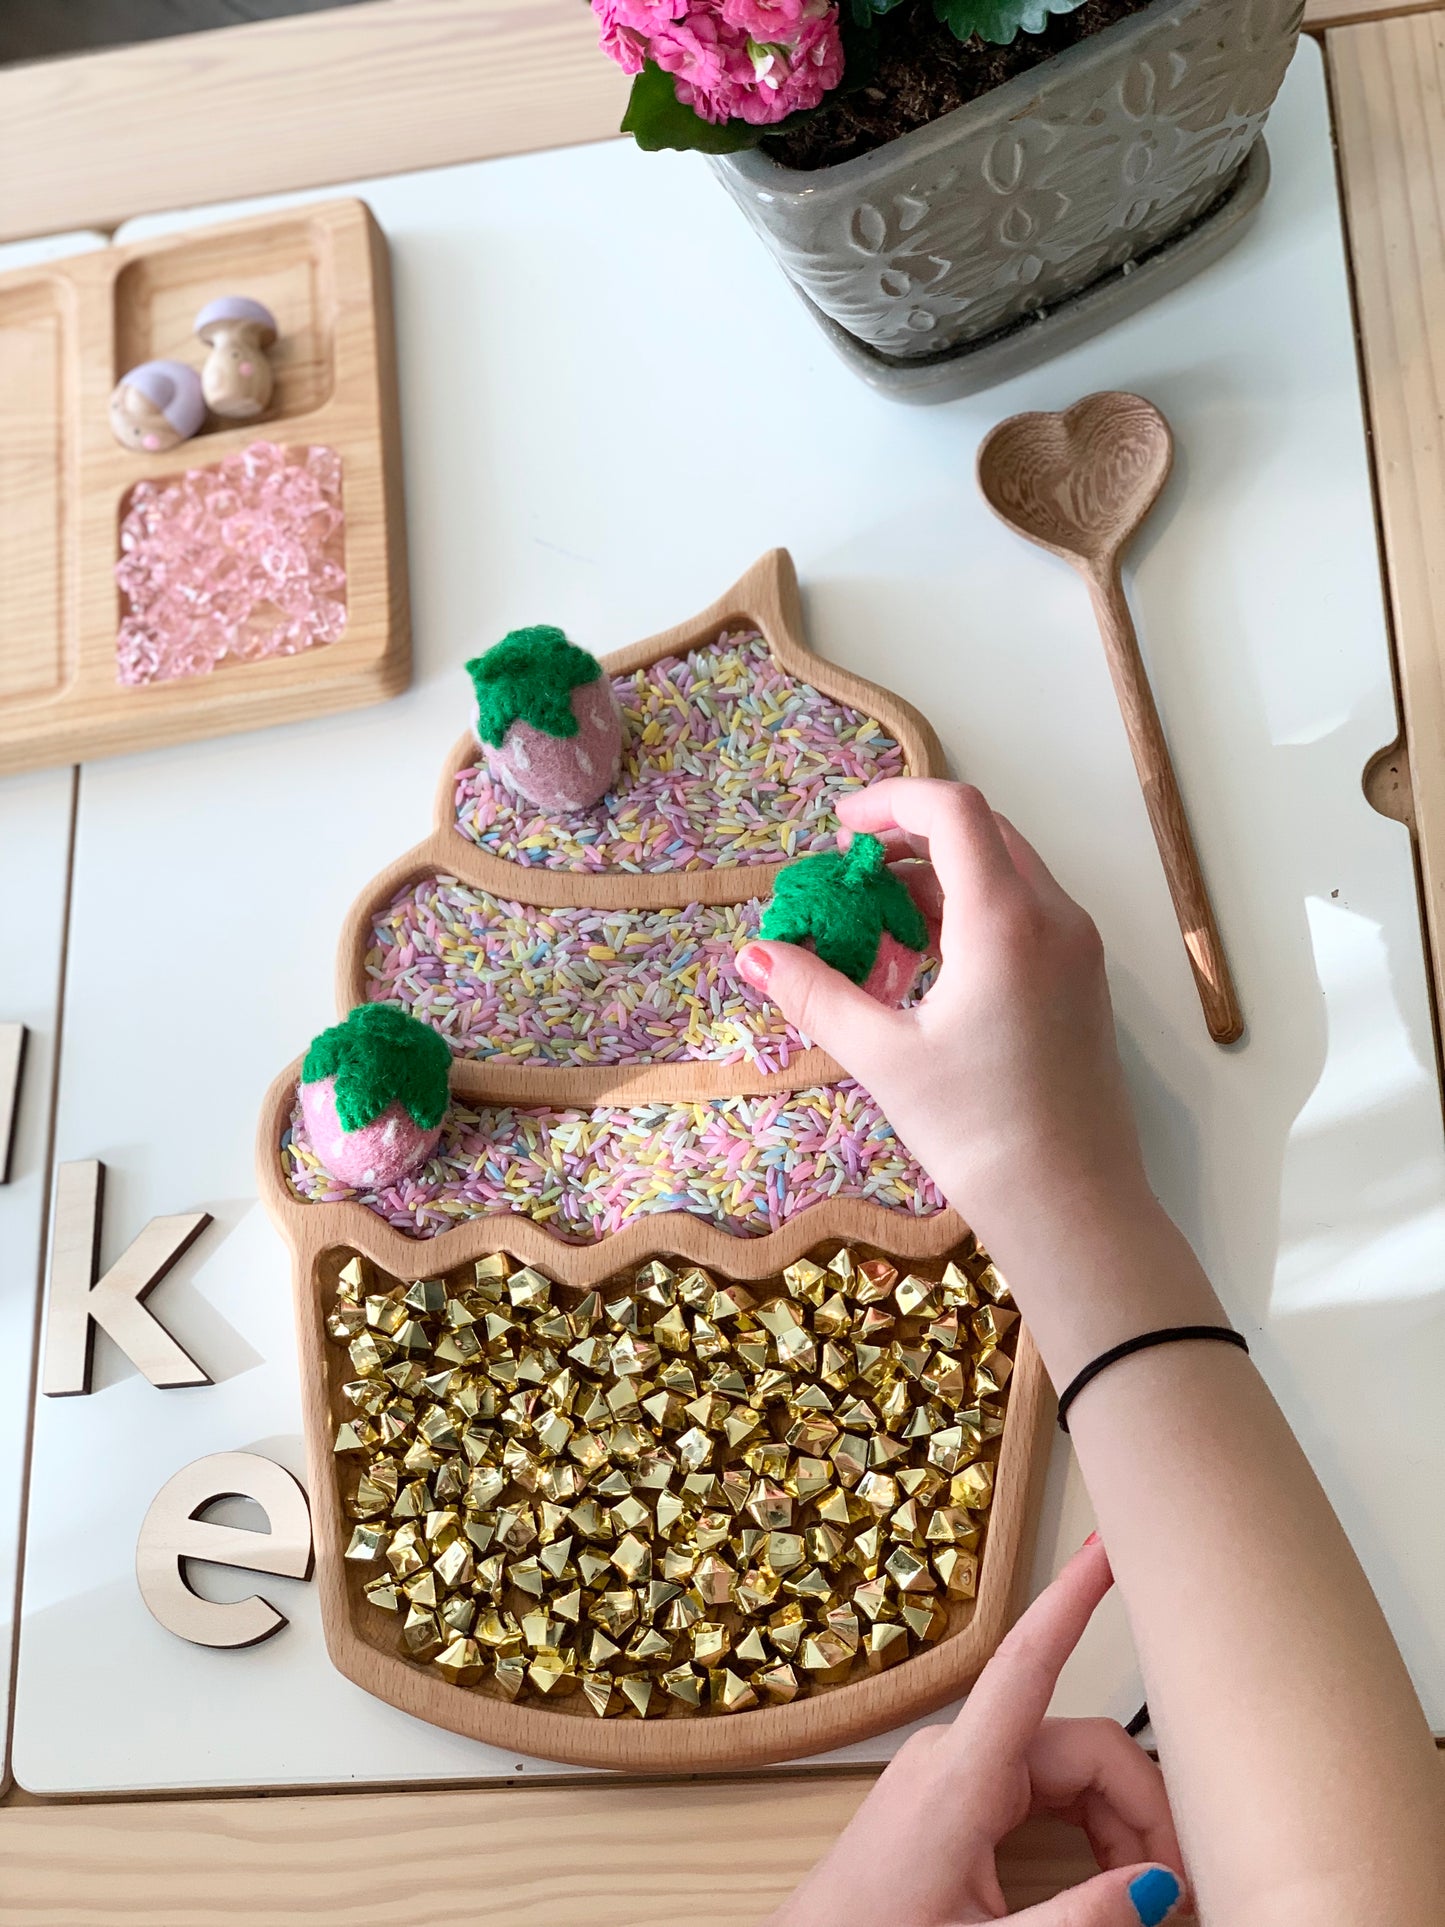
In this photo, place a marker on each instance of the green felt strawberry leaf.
(842, 901)
(999, 21)
(380, 1057)
(529, 677)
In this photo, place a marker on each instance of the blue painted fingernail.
(1153, 1894)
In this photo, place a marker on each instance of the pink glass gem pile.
(240, 559)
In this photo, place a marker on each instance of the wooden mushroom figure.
(155, 406)
(237, 379)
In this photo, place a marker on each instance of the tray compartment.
(36, 326)
(158, 296)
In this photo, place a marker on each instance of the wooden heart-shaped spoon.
(1080, 484)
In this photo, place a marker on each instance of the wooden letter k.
(78, 1301)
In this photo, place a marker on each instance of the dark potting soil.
(924, 72)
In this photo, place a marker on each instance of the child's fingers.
(1030, 865)
(953, 820)
(898, 845)
(1011, 1695)
(823, 1004)
(922, 884)
(1129, 1897)
(1092, 1772)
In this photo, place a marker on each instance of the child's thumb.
(822, 1003)
(1126, 1897)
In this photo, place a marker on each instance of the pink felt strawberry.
(549, 717)
(855, 913)
(373, 1096)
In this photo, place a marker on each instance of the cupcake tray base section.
(365, 1642)
(1305, 1165)
(69, 329)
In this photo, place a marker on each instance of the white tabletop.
(611, 404)
(35, 814)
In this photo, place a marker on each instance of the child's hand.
(920, 1852)
(1004, 1081)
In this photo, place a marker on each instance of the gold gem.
(729, 1692)
(957, 1288)
(806, 1280)
(958, 1571)
(991, 1374)
(462, 1662)
(710, 1641)
(886, 1644)
(779, 1683)
(637, 1691)
(597, 1691)
(510, 1673)
(552, 1674)
(784, 1552)
(973, 1487)
(925, 1618)
(632, 1559)
(990, 1280)
(682, 1683)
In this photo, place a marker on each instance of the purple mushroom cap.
(235, 307)
(175, 389)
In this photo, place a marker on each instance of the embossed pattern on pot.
(1031, 193)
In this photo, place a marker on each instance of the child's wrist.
(1105, 1269)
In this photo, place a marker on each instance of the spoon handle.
(1166, 807)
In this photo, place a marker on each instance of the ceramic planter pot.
(991, 239)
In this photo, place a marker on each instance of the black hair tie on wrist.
(1172, 1335)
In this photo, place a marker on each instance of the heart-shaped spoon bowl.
(1078, 483)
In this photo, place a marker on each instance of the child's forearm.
(1302, 1775)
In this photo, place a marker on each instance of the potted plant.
(961, 188)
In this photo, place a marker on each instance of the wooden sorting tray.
(68, 330)
(322, 1236)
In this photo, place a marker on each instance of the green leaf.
(529, 676)
(999, 21)
(842, 902)
(380, 1057)
(656, 118)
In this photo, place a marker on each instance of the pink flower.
(618, 39)
(708, 61)
(790, 86)
(766, 20)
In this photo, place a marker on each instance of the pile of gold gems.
(674, 1495)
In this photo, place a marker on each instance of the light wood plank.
(606, 1856)
(379, 88)
(1321, 14)
(1389, 90)
(408, 84)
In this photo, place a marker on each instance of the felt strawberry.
(855, 913)
(373, 1094)
(549, 716)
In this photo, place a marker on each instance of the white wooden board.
(35, 816)
(611, 404)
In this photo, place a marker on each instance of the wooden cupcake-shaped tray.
(69, 330)
(664, 1418)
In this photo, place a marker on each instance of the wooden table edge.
(97, 139)
(87, 107)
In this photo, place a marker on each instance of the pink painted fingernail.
(1092, 1540)
(756, 965)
